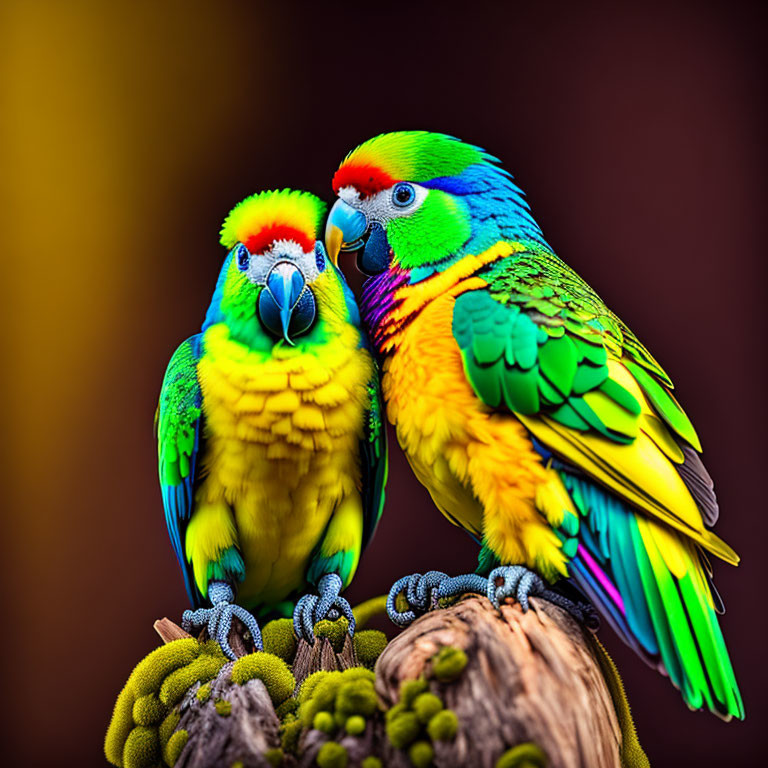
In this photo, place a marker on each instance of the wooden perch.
(530, 679)
(169, 631)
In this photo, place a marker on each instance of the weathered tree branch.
(169, 631)
(529, 687)
(530, 677)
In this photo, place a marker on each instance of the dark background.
(128, 133)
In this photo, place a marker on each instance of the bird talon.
(328, 604)
(343, 607)
(422, 593)
(505, 582)
(303, 625)
(217, 619)
(522, 583)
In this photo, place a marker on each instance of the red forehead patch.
(366, 179)
(261, 240)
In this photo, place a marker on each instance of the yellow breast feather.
(282, 429)
(480, 467)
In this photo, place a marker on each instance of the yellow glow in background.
(109, 113)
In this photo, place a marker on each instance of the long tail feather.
(651, 585)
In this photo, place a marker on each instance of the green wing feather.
(374, 460)
(178, 427)
(539, 342)
(538, 339)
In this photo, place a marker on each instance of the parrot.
(532, 414)
(272, 456)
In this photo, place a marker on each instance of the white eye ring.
(403, 194)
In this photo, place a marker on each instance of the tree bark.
(530, 677)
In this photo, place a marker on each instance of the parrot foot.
(521, 583)
(218, 618)
(422, 592)
(327, 605)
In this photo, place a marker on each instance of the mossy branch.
(464, 685)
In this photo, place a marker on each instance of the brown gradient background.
(127, 134)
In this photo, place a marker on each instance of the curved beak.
(344, 230)
(286, 304)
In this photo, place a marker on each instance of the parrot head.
(274, 284)
(417, 202)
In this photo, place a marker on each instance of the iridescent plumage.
(271, 453)
(534, 416)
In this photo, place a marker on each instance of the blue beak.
(348, 230)
(286, 304)
(344, 230)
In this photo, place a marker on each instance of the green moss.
(335, 631)
(332, 755)
(443, 726)
(339, 694)
(157, 682)
(322, 698)
(369, 645)
(289, 735)
(339, 718)
(357, 673)
(410, 689)
(356, 697)
(274, 757)
(223, 707)
(421, 754)
(237, 764)
(401, 603)
(120, 726)
(355, 725)
(168, 726)
(526, 755)
(148, 710)
(142, 748)
(426, 706)
(393, 712)
(308, 686)
(175, 745)
(286, 708)
(448, 663)
(323, 721)
(278, 638)
(204, 693)
(402, 730)
(371, 762)
(149, 673)
(270, 669)
(205, 667)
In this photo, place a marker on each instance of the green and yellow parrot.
(272, 455)
(535, 418)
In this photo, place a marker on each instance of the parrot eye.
(319, 256)
(403, 195)
(243, 256)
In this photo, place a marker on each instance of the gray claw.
(518, 582)
(218, 619)
(303, 625)
(521, 583)
(423, 591)
(327, 605)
